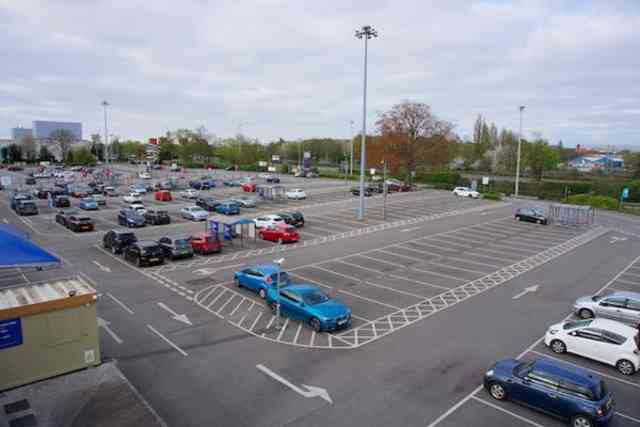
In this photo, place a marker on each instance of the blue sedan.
(559, 389)
(88, 204)
(228, 208)
(310, 305)
(260, 278)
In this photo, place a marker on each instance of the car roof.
(146, 243)
(625, 294)
(267, 268)
(122, 231)
(566, 371)
(612, 326)
(302, 288)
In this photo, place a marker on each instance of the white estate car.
(189, 193)
(268, 220)
(194, 213)
(132, 197)
(297, 194)
(465, 192)
(604, 340)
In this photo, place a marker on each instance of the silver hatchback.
(619, 305)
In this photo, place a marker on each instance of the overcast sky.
(293, 69)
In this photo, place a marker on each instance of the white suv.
(465, 192)
(268, 220)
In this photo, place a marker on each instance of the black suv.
(75, 221)
(207, 203)
(130, 218)
(292, 218)
(157, 217)
(118, 240)
(26, 207)
(176, 247)
(61, 201)
(145, 252)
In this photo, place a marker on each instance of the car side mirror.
(604, 304)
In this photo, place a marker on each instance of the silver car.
(194, 213)
(246, 201)
(619, 305)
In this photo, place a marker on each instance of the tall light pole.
(351, 144)
(105, 104)
(367, 32)
(519, 151)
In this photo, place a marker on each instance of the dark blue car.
(228, 208)
(259, 278)
(311, 306)
(558, 389)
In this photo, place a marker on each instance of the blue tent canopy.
(18, 251)
(242, 221)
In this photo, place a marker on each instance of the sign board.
(214, 227)
(271, 168)
(485, 180)
(625, 193)
(10, 333)
(5, 181)
(262, 164)
(153, 141)
(228, 232)
(275, 158)
(307, 154)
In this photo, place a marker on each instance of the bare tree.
(413, 128)
(28, 146)
(64, 139)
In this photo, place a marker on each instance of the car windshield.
(576, 324)
(523, 369)
(315, 297)
(284, 278)
(181, 243)
(147, 250)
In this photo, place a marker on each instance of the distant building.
(19, 133)
(43, 129)
(597, 161)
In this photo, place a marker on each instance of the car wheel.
(539, 221)
(237, 282)
(274, 307)
(558, 346)
(625, 367)
(497, 391)
(581, 421)
(315, 325)
(262, 293)
(585, 313)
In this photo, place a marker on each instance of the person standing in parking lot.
(637, 340)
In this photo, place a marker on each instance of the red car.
(206, 243)
(163, 195)
(249, 187)
(276, 232)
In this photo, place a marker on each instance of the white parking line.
(501, 253)
(602, 374)
(628, 282)
(444, 288)
(513, 414)
(355, 266)
(168, 341)
(446, 242)
(395, 264)
(283, 328)
(420, 242)
(483, 273)
(295, 339)
(446, 276)
(253, 325)
(401, 256)
(120, 303)
(635, 420)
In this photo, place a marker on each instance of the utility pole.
(384, 186)
(367, 32)
(519, 153)
(107, 158)
(351, 144)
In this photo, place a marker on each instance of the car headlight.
(490, 373)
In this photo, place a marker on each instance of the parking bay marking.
(120, 303)
(105, 325)
(513, 414)
(168, 341)
(310, 391)
(527, 290)
(102, 267)
(179, 317)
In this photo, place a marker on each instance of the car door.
(588, 342)
(633, 311)
(253, 279)
(542, 392)
(290, 304)
(612, 307)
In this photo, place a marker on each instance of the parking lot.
(480, 405)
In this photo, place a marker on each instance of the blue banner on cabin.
(10, 333)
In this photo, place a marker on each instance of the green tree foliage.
(80, 156)
(14, 153)
(540, 157)
(28, 146)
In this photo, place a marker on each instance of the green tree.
(540, 157)
(28, 146)
(82, 156)
(14, 153)
(44, 154)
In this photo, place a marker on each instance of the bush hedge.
(491, 196)
(600, 202)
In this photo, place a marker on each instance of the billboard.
(153, 141)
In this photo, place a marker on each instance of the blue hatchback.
(260, 278)
(228, 208)
(88, 204)
(559, 389)
(310, 305)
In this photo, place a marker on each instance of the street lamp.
(279, 262)
(519, 151)
(367, 32)
(351, 153)
(105, 104)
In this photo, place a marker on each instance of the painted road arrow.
(308, 391)
(102, 267)
(528, 290)
(179, 317)
(105, 325)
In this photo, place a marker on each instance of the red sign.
(153, 141)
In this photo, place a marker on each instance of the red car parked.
(276, 232)
(163, 195)
(206, 243)
(249, 187)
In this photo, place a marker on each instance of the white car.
(138, 207)
(268, 220)
(194, 213)
(297, 194)
(144, 175)
(465, 192)
(190, 193)
(604, 340)
(132, 197)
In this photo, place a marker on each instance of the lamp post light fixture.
(519, 153)
(105, 104)
(367, 32)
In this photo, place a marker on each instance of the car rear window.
(614, 338)
(576, 324)
(315, 297)
(284, 278)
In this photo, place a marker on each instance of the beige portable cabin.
(47, 329)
